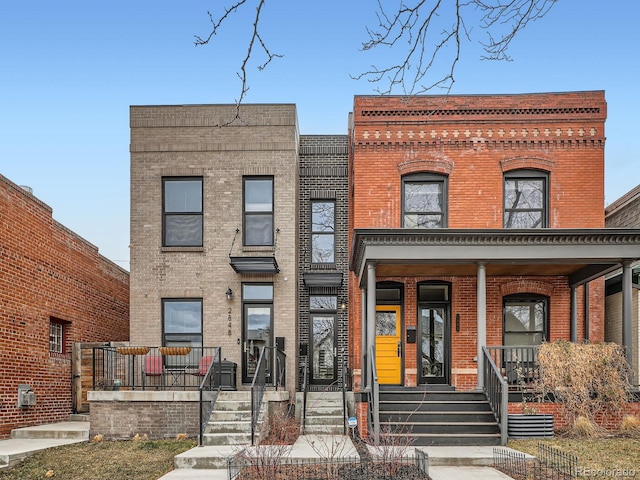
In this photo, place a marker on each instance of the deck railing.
(209, 389)
(374, 398)
(258, 386)
(153, 368)
(497, 392)
(517, 364)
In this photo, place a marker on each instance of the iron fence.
(157, 368)
(276, 465)
(551, 464)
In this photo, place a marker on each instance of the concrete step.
(233, 405)
(445, 439)
(451, 417)
(323, 430)
(230, 416)
(324, 420)
(63, 430)
(226, 439)
(229, 427)
(239, 395)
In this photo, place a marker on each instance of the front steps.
(230, 421)
(437, 417)
(324, 414)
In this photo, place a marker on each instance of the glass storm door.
(433, 363)
(257, 333)
(388, 344)
(323, 359)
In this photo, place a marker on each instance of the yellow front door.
(388, 345)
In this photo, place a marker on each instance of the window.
(323, 219)
(182, 212)
(258, 211)
(257, 330)
(182, 322)
(424, 201)
(56, 336)
(525, 199)
(525, 320)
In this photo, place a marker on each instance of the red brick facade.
(49, 273)
(474, 141)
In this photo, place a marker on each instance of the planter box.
(530, 426)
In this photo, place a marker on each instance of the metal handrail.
(258, 386)
(374, 400)
(305, 390)
(344, 400)
(496, 389)
(207, 385)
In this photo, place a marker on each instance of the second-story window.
(424, 201)
(323, 220)
(258, 211)
(525, 199)
(182, 212)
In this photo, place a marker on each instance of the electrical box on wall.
(411, 334)
(26, 396)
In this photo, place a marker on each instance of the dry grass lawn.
(595, 454)
(143, 460)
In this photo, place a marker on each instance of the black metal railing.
(278, 465)
(551, 464)
(258, 386)
(374, 398)
(517, 364)
(280, 369)
(209, 389)
(305, 391)
(152, 368)
(344, 399)
(497, 392)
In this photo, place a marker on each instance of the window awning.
(254, 265)
(322, 279)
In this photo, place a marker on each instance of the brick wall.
(474, 141)
(49, 272)
(323, 176)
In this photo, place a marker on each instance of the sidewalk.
(210, 463)
(445, 463)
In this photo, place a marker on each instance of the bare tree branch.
(415, 24)
(427, 52)
(217, 22)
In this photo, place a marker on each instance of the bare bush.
(588, 380)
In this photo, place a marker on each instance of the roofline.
(622, 201)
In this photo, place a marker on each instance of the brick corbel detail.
(526, 286)
(439, 165)
(517, 163)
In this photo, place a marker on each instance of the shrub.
(588, 380)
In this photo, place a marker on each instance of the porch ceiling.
(580, 254)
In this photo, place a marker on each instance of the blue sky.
(70, 69)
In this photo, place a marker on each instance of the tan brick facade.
(49, 273)
(177, 141)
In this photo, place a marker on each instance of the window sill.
(181, 249)
(266, 248)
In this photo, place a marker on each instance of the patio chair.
(152, 367)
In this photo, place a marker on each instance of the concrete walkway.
(29, 440)
(445, 463)
(210, 463)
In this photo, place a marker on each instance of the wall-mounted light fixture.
(343, 306)
(229, 293)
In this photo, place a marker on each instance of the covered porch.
(556, 263)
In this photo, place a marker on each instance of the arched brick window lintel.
(435, 165)
(521, 163)
(526, 286)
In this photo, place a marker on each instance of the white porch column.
(481, 307)
(371, 315)
(364, 369)
(627, 311)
